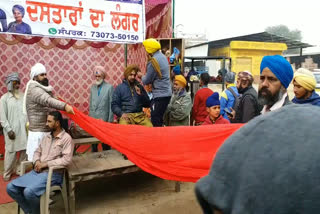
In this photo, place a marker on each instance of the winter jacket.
(248, 107)
(100, 105)
(220, 120)
(199, 109)
(126, 99)
(39, 101)
(178, 110)
(314, 99)
(227, 100)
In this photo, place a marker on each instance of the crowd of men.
(169, 102)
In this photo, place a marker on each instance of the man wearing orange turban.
(158, 75)
(129, 98)
(179, 108)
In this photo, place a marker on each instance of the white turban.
(37, 69)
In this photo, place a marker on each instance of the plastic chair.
(45, 198)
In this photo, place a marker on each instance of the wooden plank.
(98, 162)
(87, 140)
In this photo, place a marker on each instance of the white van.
(316, 73)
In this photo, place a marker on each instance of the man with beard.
(304, 84)
(129, 98)
(55, 149)
(14, 124)
(100, 101)
(248, 106)
(38, 99)
(158, 76)
(275, 76)
(178, 111)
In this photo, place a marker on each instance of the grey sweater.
(39, 101)
(270, 165)
(160, 87)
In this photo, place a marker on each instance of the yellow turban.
(305, 78)
(180, 80)
(151, 45)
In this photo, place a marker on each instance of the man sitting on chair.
(55, 149)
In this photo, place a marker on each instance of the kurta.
(100, 105)
(12, 119)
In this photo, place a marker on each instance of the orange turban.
(180, 80)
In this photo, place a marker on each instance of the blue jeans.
(25, 197)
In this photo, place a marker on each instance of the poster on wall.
(119, 21)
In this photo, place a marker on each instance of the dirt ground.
(135, 193)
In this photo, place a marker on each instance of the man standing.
(178, 111)
(248, 105)
(158, 75)
(304, 84)
(199, 109)
(275, 76)
(229, 96)
(14, 124)
(100, 101)
(37, 101)
(55, 149)
(129, 98)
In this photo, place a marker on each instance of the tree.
(284, 31)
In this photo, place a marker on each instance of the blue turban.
(176, 70)
(280, 67)
(18, 7)
(213, 100)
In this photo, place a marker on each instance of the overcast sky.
(228, 18)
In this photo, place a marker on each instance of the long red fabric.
(181, 153)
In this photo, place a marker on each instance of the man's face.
(51, 123)
(42, 79)
(176, 87)
(132, 76)
(299, 91)
(17, 15)
(243, 83)
(269, 88)
(16, 85)
(139, 74)
(214, 111)
(99, 79)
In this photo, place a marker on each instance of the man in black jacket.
(129, 98)
(248, 106)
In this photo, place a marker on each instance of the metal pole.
(125, 54)
(173, 17)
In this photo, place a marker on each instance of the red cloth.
(220, 120)
(199, 111)
(181, 153)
